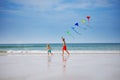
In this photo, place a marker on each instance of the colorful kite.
(69, 33)
(76, 24)
(88, 17)
(81, 26)
(83, 21)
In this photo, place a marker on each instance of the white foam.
(26, 51)
(95, 51)
(59, 51)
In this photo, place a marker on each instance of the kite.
(76, 24)
(83, 21)
(81, 25)
(88, 17)
(69, 33)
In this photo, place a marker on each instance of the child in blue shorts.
(49, 49)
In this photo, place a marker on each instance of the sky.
(46, 21)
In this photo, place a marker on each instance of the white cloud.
(86, 4)
(41, 5)
(61, 5)
(72, 6)
(9, 11)
(44, 5)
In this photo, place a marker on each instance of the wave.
(57, 51)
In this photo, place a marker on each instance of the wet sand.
(57, 67)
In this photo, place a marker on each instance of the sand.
(57, 67)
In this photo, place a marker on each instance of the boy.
(64, 48)
(49, 49)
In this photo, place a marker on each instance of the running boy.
(64, 48)
(49, 49)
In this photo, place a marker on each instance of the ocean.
(58, 46)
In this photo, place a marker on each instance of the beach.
(59, 40)
(77, 66)
(86, 62)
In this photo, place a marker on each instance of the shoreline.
(39, 52)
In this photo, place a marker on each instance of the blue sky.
(45, 21)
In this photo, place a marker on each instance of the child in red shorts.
(64, 48)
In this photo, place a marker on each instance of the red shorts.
(64, 48)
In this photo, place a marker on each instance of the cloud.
(56, 5)
(86, 4)
(41, 5)
(9, 11)
(72, 6)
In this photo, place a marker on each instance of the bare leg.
(52, 54)
(62, 52)
(67, 52)
(48, 54)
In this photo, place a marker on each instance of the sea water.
(58, 46)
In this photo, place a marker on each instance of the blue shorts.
(49, 51)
